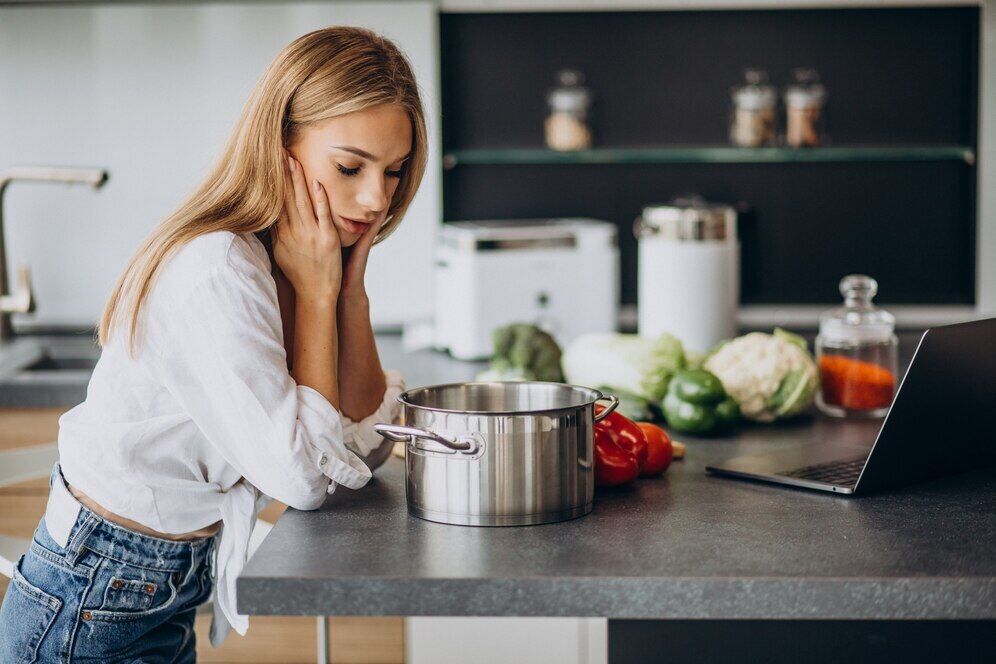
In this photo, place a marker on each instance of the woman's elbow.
(308, 495)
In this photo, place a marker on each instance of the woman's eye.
(349, 172)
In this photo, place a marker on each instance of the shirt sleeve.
(222, 358)
(361, 438)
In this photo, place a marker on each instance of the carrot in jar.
(855, 385)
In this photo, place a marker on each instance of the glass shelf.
(709, 155)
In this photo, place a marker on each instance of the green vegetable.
(625, 362)
(697, 403)
(771, 376)
(524, 352)
(632, 405)
(727, 413)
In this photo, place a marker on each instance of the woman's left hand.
(354, 260)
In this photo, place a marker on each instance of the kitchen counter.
(685, 546)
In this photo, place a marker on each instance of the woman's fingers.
(289, 217)
(358, 255)
(323, 207)
(302, 201)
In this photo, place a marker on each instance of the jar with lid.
(804, 117)
(752, 122)
(688, 271)
(857, 354)
(566, 128)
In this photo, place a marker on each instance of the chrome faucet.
(22, 301)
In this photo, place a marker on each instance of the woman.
(238, 362)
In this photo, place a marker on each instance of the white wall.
(150, 92)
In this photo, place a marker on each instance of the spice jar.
(804, 117)
(566, 127)
(752, 123)
(857, 353)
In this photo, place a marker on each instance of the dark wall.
(894, 76)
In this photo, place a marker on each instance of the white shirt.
(206, 417)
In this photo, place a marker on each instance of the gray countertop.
(687, 545)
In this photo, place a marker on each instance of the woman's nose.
(373, 195)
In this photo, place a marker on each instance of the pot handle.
(401, 434)
(608, 409)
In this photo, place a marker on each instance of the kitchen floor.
(287, 640)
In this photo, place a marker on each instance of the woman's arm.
(316, 346)
(364, 388)
(363, 391)
(308, 252)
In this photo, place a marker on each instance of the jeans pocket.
(132, 593)
(25, 618)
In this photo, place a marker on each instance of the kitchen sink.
(46, 371)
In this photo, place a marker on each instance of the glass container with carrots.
(857, 353)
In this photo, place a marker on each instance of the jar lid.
(756, 95)
(858, 320)
(687, 219)
(570, 95)
(806, 90)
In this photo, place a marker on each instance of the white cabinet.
(151, 92)
(503, 640)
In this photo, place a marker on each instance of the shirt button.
(324, 460)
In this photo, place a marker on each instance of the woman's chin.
(347, 239)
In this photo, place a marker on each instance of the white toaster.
(560, 274)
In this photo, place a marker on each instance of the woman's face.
(358, 158)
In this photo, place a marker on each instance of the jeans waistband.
(89, 531)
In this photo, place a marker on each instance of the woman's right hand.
(307, 246)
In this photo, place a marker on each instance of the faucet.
(22, 301)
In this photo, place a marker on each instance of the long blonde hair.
(323, 74)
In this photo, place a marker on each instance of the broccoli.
(523, 351)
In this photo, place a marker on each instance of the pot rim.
(525, 413)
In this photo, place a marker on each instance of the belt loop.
(213, 556)
(74, 549)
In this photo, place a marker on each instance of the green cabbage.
(624, 361)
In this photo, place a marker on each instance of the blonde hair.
(323, 74)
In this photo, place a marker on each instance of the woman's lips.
(355, 225)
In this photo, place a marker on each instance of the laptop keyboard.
(841, 473)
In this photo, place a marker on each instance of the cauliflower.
(771, 376)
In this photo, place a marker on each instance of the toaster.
(559, 274)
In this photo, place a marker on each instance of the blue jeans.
(110, 595)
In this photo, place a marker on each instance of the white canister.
(688, 272)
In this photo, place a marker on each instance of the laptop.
(942, 421)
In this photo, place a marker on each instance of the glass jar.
(566, 128)
(857, 354)
(804, 117)
(752, 121)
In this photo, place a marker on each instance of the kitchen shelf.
(708, 155)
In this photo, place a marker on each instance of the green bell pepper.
(696, 403)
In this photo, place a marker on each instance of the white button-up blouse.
(206, 417)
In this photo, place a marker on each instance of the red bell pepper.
(613, 464)
(624, 432)
(661, 450)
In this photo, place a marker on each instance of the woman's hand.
(355, 260)
(307, 246)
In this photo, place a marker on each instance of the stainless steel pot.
(499, 454)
